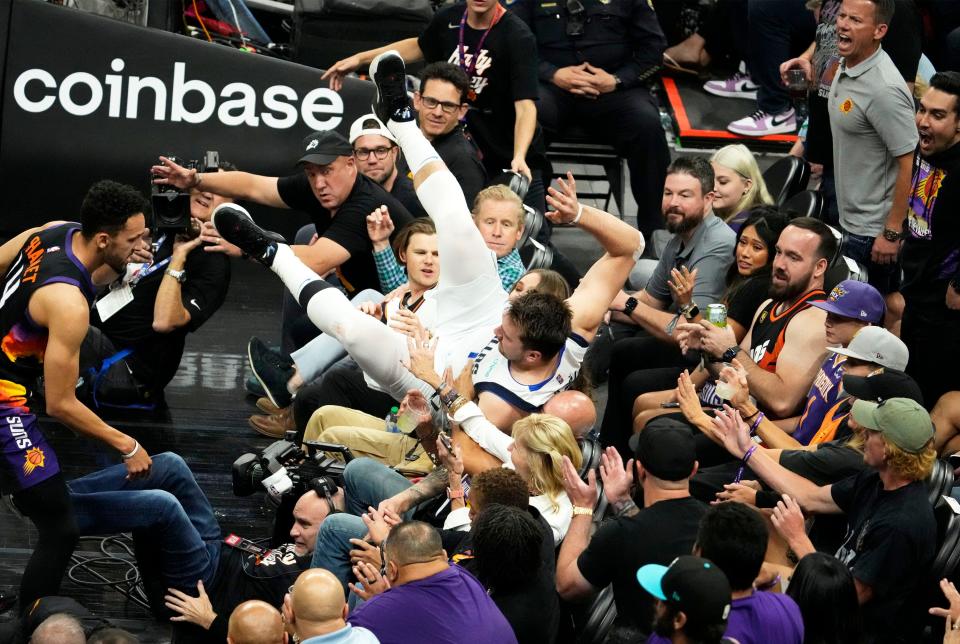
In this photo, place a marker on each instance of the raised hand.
(563, 201)
(581, 495)
(617, 479)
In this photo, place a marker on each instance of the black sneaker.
(235, 225)
(271, 371)
(389, 75)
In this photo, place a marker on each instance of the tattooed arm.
(431, 485)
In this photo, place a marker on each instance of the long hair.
(824, 590)
(546, 439)
(737, 157)
(769, 222)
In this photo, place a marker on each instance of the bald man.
(316, 610)
(256, 622)
(59, 628)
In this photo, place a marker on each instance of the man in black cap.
(693, 599)
(665, 528)
(329, 189)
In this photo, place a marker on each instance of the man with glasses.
(496, 50)
(376, 153)
(329, 188)
(441, 106)
(596, 57)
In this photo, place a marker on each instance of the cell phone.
(447, 444)
(676, 405)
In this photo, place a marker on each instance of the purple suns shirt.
(760, 618)
(448, 607)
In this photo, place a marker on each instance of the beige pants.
(366, 435)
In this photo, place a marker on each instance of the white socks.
(417, 150)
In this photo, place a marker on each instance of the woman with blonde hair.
(540, 442)
(738, 184)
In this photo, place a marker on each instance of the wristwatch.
(690, 311)
(892, 235)
(180, 276)
(728, 355)
(731, 353)
(630, 306)
(617, 82)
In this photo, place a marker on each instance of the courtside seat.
(806, 203)
(786, 177)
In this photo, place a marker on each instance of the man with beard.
(697, 255)
(931, 247)
(377, 154)
(701, 248)
(44, 314)
(786, 343)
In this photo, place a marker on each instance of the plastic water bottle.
(391, 420)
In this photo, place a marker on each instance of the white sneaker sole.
(779, 129)
(728, 94)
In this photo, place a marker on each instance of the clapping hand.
(617, 479)
(731, 431)
(581, 495)
(681, 285)
(736, 379)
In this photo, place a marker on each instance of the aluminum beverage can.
(717, 314)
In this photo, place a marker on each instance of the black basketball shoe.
(236, 226)
(391, 101)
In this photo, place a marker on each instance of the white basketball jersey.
(491, 373)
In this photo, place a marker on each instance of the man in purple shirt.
(734, 537)
(418, 595)
(694, 600)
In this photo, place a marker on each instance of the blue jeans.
(168, 506)
(366, 482)
(884, 277)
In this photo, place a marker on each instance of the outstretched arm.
(622, 243)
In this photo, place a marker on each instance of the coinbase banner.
(87, 97)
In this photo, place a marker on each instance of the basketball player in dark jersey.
(47, 290)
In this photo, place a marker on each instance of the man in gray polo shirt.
(691, 273)
(701, 243)
(874, 136)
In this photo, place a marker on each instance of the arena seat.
(940, 481)
(786, 177)
(536, 255)
(577, 147)
(598, 619)
(806, 203)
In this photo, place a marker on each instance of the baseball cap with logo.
(324, 147)
(855, 300)
(692, 585)
(369, 124)
(666, 449)
(877, 345)
(904, 422)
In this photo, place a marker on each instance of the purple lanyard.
(498, 13)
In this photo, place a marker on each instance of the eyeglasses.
(364, 153)
(431, 103)
(575, 18)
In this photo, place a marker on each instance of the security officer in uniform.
(595, 59)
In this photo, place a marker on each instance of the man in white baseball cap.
(877, 345)
(376, 152)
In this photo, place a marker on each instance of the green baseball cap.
(904, 421)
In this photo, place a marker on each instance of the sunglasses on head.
(575, 18)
